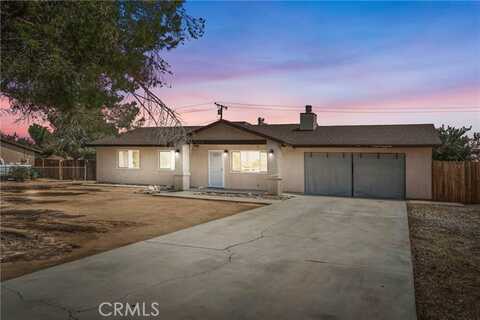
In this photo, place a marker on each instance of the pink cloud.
(460, 98)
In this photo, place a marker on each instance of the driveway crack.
(226, 250)
(228, 260)
(69, 311)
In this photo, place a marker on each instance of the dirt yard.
(45, 223)
(446, 255)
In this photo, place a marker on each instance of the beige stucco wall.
(199, 158)
(108, 171)
(12, 154)
(148, 173)
(418, 168)
(199, 168)
(418, 162)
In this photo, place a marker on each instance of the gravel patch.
(246, 195)
(446, 257)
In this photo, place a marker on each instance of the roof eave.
(240, 128)
(19, 145)
(125, 145)
(363, 145)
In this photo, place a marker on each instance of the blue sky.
(333, 55)
(356, 63)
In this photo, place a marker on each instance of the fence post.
(466, 170)
(60, 169)
(75, 169)
(85, 170)
(463, 172)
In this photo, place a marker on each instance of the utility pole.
(220, 109)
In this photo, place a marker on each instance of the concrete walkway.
(303, 258)
(219, 197)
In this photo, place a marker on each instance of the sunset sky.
(356, 63)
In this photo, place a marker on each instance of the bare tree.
(155, 113)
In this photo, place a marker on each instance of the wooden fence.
(456, 181)
(66, 169)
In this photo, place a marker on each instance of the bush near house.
(21, 173)
(456, 144)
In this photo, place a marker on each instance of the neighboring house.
(380, 161)
(12, 152)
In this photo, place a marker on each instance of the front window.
(249, 161)
(166, 160)
(129, 159)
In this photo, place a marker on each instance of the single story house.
(379, 161)
(12, 152)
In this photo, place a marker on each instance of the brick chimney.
(308, 119)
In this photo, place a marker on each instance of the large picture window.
(129, 159)
(249, 161)
(166, 160)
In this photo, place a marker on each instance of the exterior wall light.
(270, 152)
(225, 152)
(177, 151)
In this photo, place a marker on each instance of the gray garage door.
(366, 175)
(379, 175)
(328, 174)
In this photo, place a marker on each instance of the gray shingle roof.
(359, 135)
(148, 136)
(20, 145)
(362, 135)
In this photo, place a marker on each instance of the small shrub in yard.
(20, 173)
(34, 174)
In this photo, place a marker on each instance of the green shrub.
(20, 173)
(34, 174)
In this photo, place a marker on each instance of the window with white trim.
(129, 159)
(249, 161)
(166, 160)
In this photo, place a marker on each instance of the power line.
(364, 111)
(297, 108)
(193, 105)
(411, 110)
(264, 105)
(196, 110)
(259, 105)
(320, 108)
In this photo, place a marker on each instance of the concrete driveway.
(304, 258)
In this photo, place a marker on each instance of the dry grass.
(48, 223)
(446, 252)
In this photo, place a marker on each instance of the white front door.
(215, 169)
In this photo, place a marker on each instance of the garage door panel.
(328, 174)
(379, 175)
